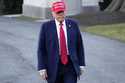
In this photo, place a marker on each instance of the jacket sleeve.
(80, 48)
(41, 52)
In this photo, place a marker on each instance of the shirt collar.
(57, 22)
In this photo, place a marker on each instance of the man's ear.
(53, 14)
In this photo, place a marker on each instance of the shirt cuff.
(82, 68)
(42, 71)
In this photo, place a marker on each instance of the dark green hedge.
(12, 6)
(105, 4)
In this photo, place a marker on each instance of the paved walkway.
(18, 45)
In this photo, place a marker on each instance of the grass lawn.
(114, 31)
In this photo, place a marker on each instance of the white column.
(41, 8)
(73, 7)
(39, 3)
(51, 1)
(90, 2)
(90, 6)
(35, 8)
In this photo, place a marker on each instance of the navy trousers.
(66, 73)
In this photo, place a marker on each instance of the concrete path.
(18, 45)
(105, 60)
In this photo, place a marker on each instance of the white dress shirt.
(58, 32)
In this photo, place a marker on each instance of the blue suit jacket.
(48, 48)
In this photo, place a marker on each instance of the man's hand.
(43, 74)
(82, 70)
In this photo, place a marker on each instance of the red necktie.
(63, 50)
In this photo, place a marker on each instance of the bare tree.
(123, 7)
(116, 5)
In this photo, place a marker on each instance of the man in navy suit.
(60, 51)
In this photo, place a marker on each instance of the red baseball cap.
(58, 6)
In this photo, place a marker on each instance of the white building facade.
(90, 2)
(41, 8)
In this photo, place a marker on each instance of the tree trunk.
(115, 5)
(123, 7)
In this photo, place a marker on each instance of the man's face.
(59, 16)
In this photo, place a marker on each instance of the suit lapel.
(54, 30)
(68, 26)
